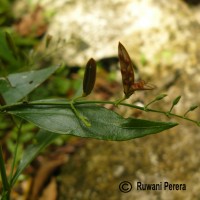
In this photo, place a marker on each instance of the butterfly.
(127, 71)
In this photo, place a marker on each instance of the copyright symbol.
(125, 186)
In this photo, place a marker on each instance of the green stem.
(6, 187)
(15, 105)
(186, 113)
(15, 152)
(81, 117)
(119, 101)
(171, 109)
(145, 107)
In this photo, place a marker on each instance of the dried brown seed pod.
(89, 77)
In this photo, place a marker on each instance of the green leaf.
(43, 139)
(4, 85)
(105, 124)
(11, 44)
(21, 84)
(5, 52)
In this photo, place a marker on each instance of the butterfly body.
(127, 71)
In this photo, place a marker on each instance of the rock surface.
(157, 31)
(163, 39)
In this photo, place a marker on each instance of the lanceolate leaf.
(19, 85)
(5, 52)
(105, 124)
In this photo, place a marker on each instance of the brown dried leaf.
(43, 174)
(50, 192)
(32, 24)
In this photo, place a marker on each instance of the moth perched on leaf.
(127, 71)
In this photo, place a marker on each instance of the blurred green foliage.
(29, 56)
(6, 14)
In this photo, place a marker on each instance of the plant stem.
(119, 101)
(62, 103)
(81, 117)
(15, 152)
(149, 104)
(171, 109)
(6, 187)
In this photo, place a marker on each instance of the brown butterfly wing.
(141, 85)
(126, 70)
